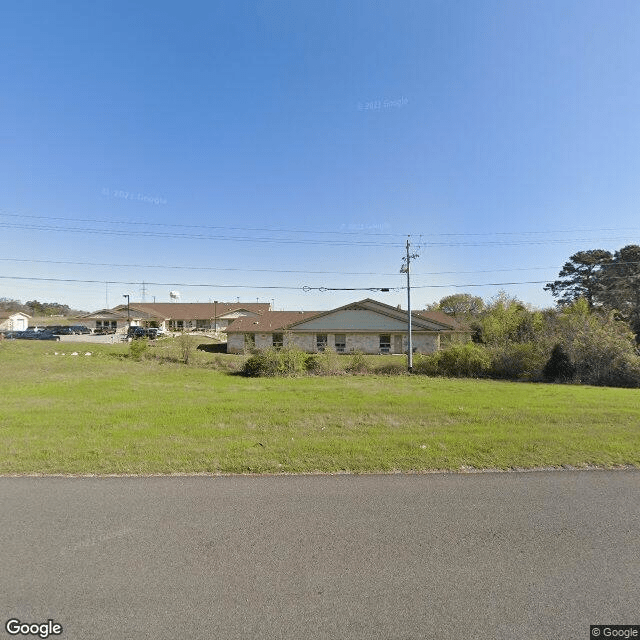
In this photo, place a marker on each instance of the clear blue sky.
(249, 143)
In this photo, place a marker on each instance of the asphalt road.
(531, 555)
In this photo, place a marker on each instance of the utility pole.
(406, 268)
(126, 295)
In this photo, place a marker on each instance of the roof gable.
(350, 319)
(367, 315)
(192, 310)
(105, 314)
(11, 314)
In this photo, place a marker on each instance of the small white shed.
(13, 321)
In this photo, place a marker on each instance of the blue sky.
(249, 149)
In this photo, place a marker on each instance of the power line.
(320, 232)
(296, 271)
(333, 243)
(158, 284)
(188, 236)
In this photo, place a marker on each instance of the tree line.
(592, 336)
(36, 308)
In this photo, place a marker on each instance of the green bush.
(392, 368)
(288, 361)
(291, 361)
(559, 367)
(357, 363)
(311, 363)
(427, 365)
(138, 348)
(517, 361)
(186, 345)
(464, 361)
(329, 363)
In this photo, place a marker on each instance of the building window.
(278, 340)
(341, 342)
(249, 340)
(321, 341)
(385, 343)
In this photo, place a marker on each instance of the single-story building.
(173, 316)
(13, 321)
(367, 326)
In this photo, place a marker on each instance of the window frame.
(322, 342)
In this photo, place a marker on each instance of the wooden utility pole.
(406, 268)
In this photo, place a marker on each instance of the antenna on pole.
(406, 268)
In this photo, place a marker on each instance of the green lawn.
(106, 414)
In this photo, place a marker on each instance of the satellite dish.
(174, 295)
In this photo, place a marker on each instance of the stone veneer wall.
(235, 343)
(304, 341)
(364, 342)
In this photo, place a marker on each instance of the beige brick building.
(368, 326)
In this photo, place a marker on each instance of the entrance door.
(397, 344)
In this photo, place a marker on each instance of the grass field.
(106, 413)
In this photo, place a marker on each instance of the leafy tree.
(506, 319)
(580, 277)
(621, 285)
(460, 304)
(9, 304)
(601, 347)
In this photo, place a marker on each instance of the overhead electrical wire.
(321, 232)
(333, 243)
(240, 269)
(305, 288)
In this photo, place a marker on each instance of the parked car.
(62, 331)
(33, 334)
(80, 329)
(47, 335)
(137, 332)
(104, 332)
(30, 333)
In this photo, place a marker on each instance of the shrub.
(427, 365)
(260, 363)
(559, 366)
(464, 360)
(311, 363)
(138, 348)
(288, 361)
(187, 345)
(517, 361)
(291, 361)
(328, 362)
(394, 368)
(358, 363)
